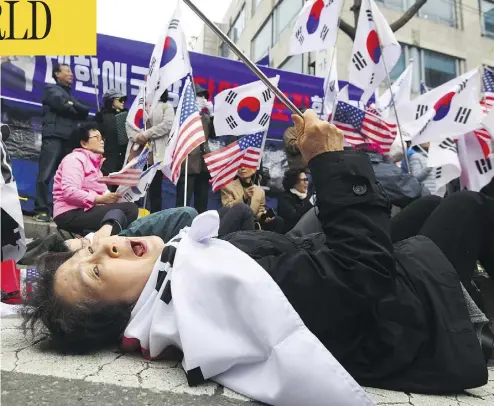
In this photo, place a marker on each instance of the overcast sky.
(143, 20)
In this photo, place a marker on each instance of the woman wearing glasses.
(294, 202)
(80, 201)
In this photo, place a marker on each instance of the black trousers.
(462, 226)
(239, 217)
(79, 221)
(197, 184)
(52, 152)
(155, 193)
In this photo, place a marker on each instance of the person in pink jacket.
(80, 201)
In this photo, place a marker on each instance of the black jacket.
(292, 208)
(61, 112)
(107, 124)
(393, 316)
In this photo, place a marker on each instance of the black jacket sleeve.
(291, 213)
(59, 101)
(82, 110)
(354, 213)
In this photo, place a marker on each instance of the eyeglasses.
(304, 180)
(98, 137)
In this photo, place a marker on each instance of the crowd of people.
(378, 268)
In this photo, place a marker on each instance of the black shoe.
(42, 218)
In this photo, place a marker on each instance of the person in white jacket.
(157, 133)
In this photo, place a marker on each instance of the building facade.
(446, 38)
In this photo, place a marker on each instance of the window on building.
(224, 50)
(488, 17)
(255, 4)
(438, 68)
(394, 4)
(293, 64)
(284, 14)
(237, 26)
(262, 41)
(440, 11)
(400, 66)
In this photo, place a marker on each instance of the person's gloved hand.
(315, 136)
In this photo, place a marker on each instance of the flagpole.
(95, 84)
(252, 66)
(186, 176)
(405, 156)
(331, 63)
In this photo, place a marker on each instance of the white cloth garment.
(234, 325)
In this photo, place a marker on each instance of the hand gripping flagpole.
(252, 66)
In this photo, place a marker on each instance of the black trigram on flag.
(173, 24)
(439, 172)
(266, 94)
(300, 36)
(450, 144)
(324, 32)
(372, 78)
(264, 119)
(231, 96)
(369, 15)
(359, 61)
(483, 165)
(421, 110)
(462, 115)
(332, 85)
(462, 86)
(231, 122)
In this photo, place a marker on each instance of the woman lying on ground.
(393, 315)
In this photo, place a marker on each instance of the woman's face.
(118, 104)
(112, 269)
(246, 173)
(303, 183)
(94, 143)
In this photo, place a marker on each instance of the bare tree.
(400, 22)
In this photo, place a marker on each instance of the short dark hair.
(164, 96)
(291, 177)
(72, 328)
(57, 68)
(81, 133)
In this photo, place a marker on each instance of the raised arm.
(353, 211)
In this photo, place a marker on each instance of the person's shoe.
(42, 218)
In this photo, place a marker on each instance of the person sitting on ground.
(294, 202)
(402, 188)
(393, 315)
(243, 189)
(80, 200)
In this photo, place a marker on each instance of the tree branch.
(348, 29)
(408, 15)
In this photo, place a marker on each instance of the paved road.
(33, 375)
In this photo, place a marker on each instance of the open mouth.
(139, 248)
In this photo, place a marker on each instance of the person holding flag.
(80, 199)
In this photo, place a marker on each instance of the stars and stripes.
(361, 126)
(224, 164)
(488, 89)
(187, 135)
(130, 173)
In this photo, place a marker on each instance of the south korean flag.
(316, 26)
(477, 169)
(245, 109)
(443, 156)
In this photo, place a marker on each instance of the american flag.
(224, 164)
(361, 126)
(130, 173)
(189, 134)
(486, 103)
